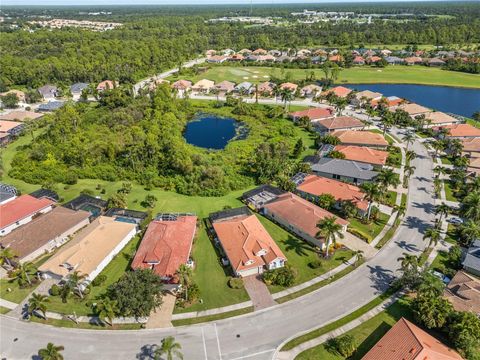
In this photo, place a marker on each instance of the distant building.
(77, 88)
(51, 106)
(471, 263)
(361, 138)
(463, 291)
(314, 114)
(203, 86)
(20, 115)
(107, 85)
(338, 123)
(48, 92)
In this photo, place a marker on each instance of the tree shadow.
(381, 277)
(371, 340)
(147, 352)
(406, 246)
(428, 207)
(416, 223)
(300, 247)
(422, 179)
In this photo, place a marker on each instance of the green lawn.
(83, 325)
(394, 157)
(366, 335)
(368, 75)
(446, 160)
(208, 318)
(4, 310)
(449, 194)
(11, 291)
(372, 229)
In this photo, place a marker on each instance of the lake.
(212, 131)
(461, 101)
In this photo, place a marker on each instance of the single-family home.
(311, 187)
(91, 250)
(463, 291)
(361, 138)
(407, 341)
(413, 60)
(210, 52)
(10, 129)
(412, 109)
(107, 85)
(471, 262)
(373, 59)
(436, 62)
(228, 51)
(338, 123)
(182, 85)
(225, 87)
(363, 154)
(236, 57)
(44, 233)
(388, 101)
(203, 86)
(48, 92)
(166, 245)
(217, 59)
(244, 88)
(256, 198)
(358, 60)
(335, 58)
(386, 52)
(7, 193)
(249, 248)
(365, 96)
(95, 206)
(22, 210)
(314, 114)
(245, 52)
(345, 170)
(310, 91)
(155, 83)
(19, 94)
(289, 86)
(260, 52)
(394, 60)
(20, 115)
(304, 52)
(77, 88)
(438, 118)
(461, 131)
(266, 88)
(340, 91)
(471, 147)
(299, 216)
(50, 106)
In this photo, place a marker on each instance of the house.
(314, 114)
(373, 59)
(361, 138)
(438, 118)
(249, 248)
(436, 62)
(289, 86)
(236, 57)
(461, 131)
(265, 88)
(210, 52)
(345, 170)
(310, 91)
(304, 52)
(394, 60)
(358, 60)
(256, 198)
(407, 341)
(245, 52)
(363, 154)
(77, 88)
(299, 216)
(471, 263)
(228, 51)
(20, 115)
(166, 245)
(45, 193)
(19, 94)
(389, 101)
(203, 86)
(412, 109)
(471, 147)
(386, 52)
(311, 187)
(154, 83)
(20, 211)
(474, 167)
(339, 91)
(7, 193)
(51, 106)
(284, 59)
(182, 85)
(88, 203)
(44, 233)
(217, 59)
(413, 60)
(339, 123)
(48, 92)
(463, 291)
(90, 251)
(260, 52)
(365, 96)
(107, 85)
(225, 87)
(12, 128)
(244, 88)
(335, 58)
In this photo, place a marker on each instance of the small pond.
(461, 101)
(213, 132)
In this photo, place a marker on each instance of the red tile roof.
(317, 185)
(363, 138)
(243, 238)
(6, 126)
(462, 130)
(182, 84)
(341, 122)
(166, 245)
(20, 208)
(340, 91)
(300, 213)
(405, 341)
(363, 154)
(314, 113)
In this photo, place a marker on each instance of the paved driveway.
(258, 292)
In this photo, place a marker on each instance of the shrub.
(315, 264)
(235, 283)
(87, 192)
(359, 234)
(99, 280)
(344, 346)
(54, 290)
(283, 277)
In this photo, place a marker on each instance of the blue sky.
(175, 2)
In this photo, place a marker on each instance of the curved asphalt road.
(252, 336)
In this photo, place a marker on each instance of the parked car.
(455, 221)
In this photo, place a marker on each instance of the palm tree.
(470, 207)
(6, 257)
(107, 309)
(38, 302)
(438, 146)
(24, 272)
(51, 352)
(408, 261)
(184, 274)
(409, 138)
(399, 209)
(76, 282)
(432, 233)
(410, 155)
(442, 210)
(170, 348)
(469, 231)
(439, 170)
(329, 230)
(387, 122)
(409, 170)
(387, 177)
(358, 257)
(372, 193)
(287, 96)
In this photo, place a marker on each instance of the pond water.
(461, 101)
(212, 131)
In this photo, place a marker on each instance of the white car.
(455, 221)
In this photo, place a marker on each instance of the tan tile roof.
(225, 85)
(438, 117)
(6, 126)
(475, 163)
(20, 115)
(300, 213)
(412, 109)
(40, 231)
(471, 145)
(363, 154)
(289, 86)
(314, 113)
(340, 91)
(462, 130)
(317, 185)
(182, 84)
(364, 138)
(464, 292)
(242, 238)
(341, 122)
(204, 84)
(405, 341)
(107, 85)
(89, 247)
(368, 94)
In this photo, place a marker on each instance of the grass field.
(391, 74)
(372, 229)
(11, 291)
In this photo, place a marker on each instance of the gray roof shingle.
(344, 168)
